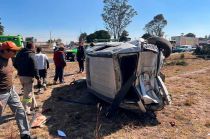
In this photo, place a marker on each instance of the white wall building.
(182, 40)
(204, 41)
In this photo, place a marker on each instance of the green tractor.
(70, 54)
(18, 40)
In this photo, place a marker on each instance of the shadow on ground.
(6, 118)
(65, 75)
(79, 120)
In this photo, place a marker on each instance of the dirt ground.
(187, 117)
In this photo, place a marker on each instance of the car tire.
(161, 44)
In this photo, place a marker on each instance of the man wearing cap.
(27, 70)
(7, 93)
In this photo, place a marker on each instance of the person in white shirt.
(43, 65)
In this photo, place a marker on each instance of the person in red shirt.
(60, 63)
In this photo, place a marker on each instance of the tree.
(50, 41)
(100, 35)
(58, 41)
(206, 37)
(1, 28)
(146, 36)
(117, 15)
(155, 27)
(83, 36)
(71, 44)
(124, 36)
(90, 38)
(190, 35)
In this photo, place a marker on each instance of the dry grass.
(189, 101)
(194, 64)
(180, 62)
(190, 89)
(207, 124)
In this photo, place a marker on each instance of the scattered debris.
(38, 120)
(81, 83)
(172, 123)
(61, 133)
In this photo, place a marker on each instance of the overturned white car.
(127, 74)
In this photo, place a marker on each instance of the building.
(204, 41)
(182, 40)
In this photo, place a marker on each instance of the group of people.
(30, 67)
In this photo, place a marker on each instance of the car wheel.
(161, 44)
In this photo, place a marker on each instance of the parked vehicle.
(18, 40)
(184, 48)
(128, 74)
(70, 54)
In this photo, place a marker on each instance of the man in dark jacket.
(27, 69)
(60, 63)
(81, 56)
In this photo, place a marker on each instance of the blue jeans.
(12, 99)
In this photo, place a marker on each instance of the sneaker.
(45, 87)
(39, 90)
(54, 82)
(34, 109)
(20, 94)
(28, 112)
(62, 82)
(25, 136)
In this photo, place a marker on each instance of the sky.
(66, 19)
